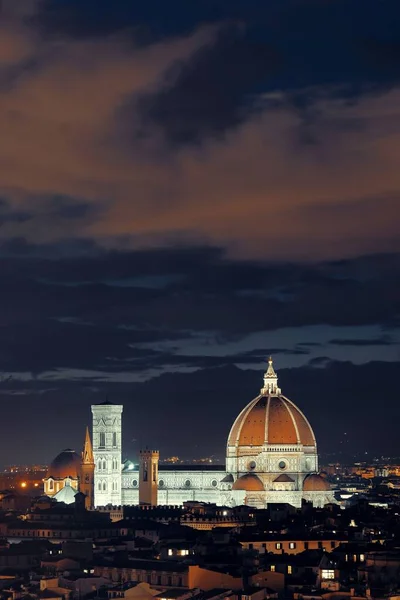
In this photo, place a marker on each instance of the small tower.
(86, 480)
(107, 450)
(148, 477)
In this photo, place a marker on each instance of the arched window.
(51, 485)
(99, 486)
(104, 465)
(104, 486)
(114, 439)
(102, 440)
(99, 465)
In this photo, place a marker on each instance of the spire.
(270, 380)
(87, 454)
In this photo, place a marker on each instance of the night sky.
(185, 188)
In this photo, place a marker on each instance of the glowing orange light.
(36, 485)
(23, 484)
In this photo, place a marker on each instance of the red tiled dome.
(249, 482)
(315, 483)
(66, 464)
(271, 419)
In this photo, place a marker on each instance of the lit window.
(272, 568)
(289, 569)
(170, 552)
(328, 574)
(292, 545)
(362, 557)
(278, 546)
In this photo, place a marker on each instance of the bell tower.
(148, 477)
(107, 450)
(86, 480)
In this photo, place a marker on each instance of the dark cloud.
(96, 312)
(212, 92)
(56, 212)
(384, 340)
(262, 354)
(215, 89)
(224, 82)
(10, 215)
(99, 18)
(242, 177)
(147, 359)
(69, 208)
(320, 362)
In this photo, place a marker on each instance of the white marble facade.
(206, 486)
(175, 486)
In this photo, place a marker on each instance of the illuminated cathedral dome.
(271, 419)
(315, 483)
(66, 464)
(249, 482)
